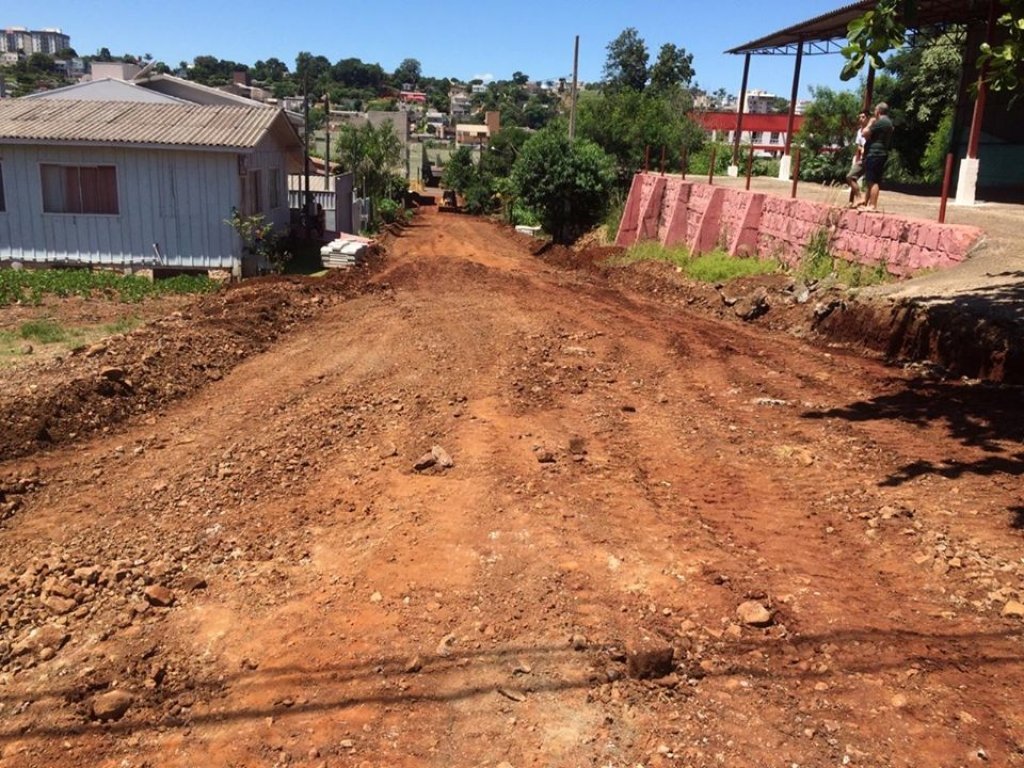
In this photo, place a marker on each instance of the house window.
(79, 188)
(252, 193)
(755, 137)
(774, 138)
(3, 204)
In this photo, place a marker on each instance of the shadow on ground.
(983, 416)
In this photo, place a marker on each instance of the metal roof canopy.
(819, 35)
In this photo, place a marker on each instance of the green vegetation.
(819, 263)
(30, 286)
(567, 183)
(885, 27)
(711, 267)
(44, 331)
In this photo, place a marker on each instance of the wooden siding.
(176, 200)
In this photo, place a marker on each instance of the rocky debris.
(753, 614)
(413, 666)
(442, 457)
(193, 583)
(648, 660)
(111, 705)
(50, 637)
(444, 648)
(1013, 609)
(753, 305)
(545, 456)
(158, 596)
(426, 461)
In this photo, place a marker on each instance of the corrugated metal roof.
(109, 122)
(833, 25)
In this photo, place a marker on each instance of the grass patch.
(122, 325)
(711, 267)
(720, 267)
(44, 331)
(818, 263)
(30, 286)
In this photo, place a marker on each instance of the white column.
(967, 182)
(784, 167)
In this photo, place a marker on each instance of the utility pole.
(575, 80)
(308, 207)
(327, 136)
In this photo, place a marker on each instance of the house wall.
(176, 200)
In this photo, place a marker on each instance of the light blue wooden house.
(139, 183)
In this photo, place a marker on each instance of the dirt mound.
(133, 374)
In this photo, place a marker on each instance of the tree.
(830, 120)
(624, 122)
(408, 72)
(67, 53)
(460, 171)
(567, 183)
(103, 55)
(520, 78)
(626, 65)
(673, 69)
(371, 154)
(884, 28)
(273, 70)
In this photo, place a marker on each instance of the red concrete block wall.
(706, 217)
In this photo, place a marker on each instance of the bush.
(388, 210)
(566, 183)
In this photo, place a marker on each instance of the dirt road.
(665, 540)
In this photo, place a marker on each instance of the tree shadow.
(984, 416)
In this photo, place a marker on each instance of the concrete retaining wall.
(702, 217)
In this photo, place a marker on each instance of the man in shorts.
(878, 137)
(857, 167)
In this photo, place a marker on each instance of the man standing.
(878, 138)
(857, 167)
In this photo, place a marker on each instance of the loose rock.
(111, 705)
(753, 614)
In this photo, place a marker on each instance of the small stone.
(414, 665)
(59, 605)
(1013, 610)
(346, 744)
(577, 445)
(111, 705)
(112, 374)
(426, 461)
(376, 597)
(514, 695)
(578, 642)
(753, 614)
(193, 583)
(27, 349)
(158, 596)
(442, 457)
(899, 701)
(649, 661)
(545, 456)
(444, 648)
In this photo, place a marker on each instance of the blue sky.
(461, 39)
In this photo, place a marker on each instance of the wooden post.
(739, 112)
(711, 165)
(575, 84)
(796, 171)
(662, 160)
(686, 159)
(647, 158)
(947, 178)
(750, 163)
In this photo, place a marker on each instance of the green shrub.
(30, 286)
(45, 331)
(388, 210)
(711, 267)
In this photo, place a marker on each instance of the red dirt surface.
(667, 537)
